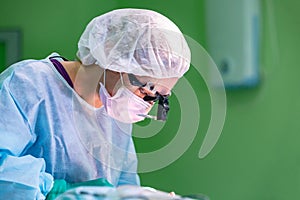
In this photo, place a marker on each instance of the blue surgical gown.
(49, 132)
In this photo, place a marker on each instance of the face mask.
(124, 106)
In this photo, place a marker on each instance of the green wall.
(257, 156)
(2, 56)
(57, 25)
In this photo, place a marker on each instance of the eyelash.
(142, 91)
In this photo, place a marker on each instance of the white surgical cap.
(137, 41)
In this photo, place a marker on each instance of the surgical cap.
(137, 41)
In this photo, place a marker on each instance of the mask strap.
(104, 77)
(121, 78)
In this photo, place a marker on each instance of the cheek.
(138, 93)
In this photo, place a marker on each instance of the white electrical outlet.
(232, 33)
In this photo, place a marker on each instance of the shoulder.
(28, 76)
(27, 72)
(31, 67)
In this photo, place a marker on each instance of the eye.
(147, 94)
(142, 91)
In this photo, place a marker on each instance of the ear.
(112, 82)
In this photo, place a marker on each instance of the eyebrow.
(135, 82)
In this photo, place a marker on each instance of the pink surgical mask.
(124, 106)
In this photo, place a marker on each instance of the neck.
(85, 80)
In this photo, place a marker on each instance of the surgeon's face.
(139, 85)
(149, 89)
(143, 86)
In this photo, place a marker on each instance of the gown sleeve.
(129, 178)
(129, 175)
(21, 176)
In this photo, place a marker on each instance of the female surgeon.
(72, 120)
